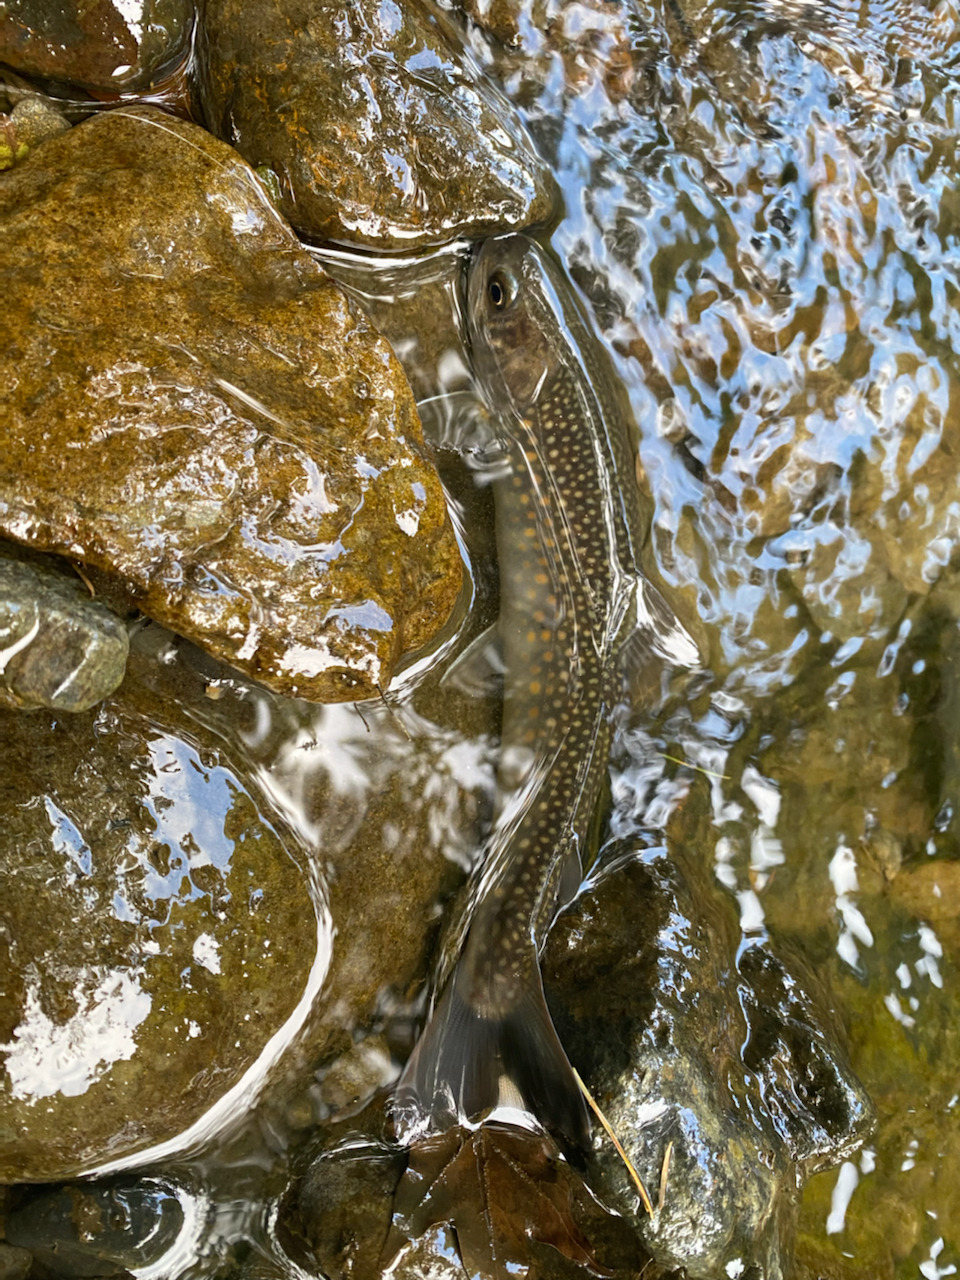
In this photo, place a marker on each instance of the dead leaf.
(502, 1190)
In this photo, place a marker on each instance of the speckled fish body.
(568, 525)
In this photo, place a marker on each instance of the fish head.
(512, 315)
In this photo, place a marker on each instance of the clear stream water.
(761, 211)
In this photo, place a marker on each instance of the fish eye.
(501, 290)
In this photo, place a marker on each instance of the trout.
(568, 531)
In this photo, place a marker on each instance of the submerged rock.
(156, 932)
(107, 46)
(376, 123)
(138, 859)
(15, 1263)
(58, 647)
(338, 1216)
(723, 1079)
(33, 120)
(227, 439)
(501, 18)
(98, 1229)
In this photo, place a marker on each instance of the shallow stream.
(761, 215)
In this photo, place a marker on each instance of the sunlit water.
(761, 212)
(761, 209)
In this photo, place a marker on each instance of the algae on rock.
(378, 126)
(202, 415)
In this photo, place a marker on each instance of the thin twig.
(638, 1182)
(356, 707)
(399, 723)
(664, 1174)
(699, 767)
(83, 577)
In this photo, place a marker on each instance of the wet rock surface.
(723, 1079)
(96, 1229)
(103, 45)
(339, 1216)
(59, 648)
(373, 118)
(31, 120)
(229, 442)
(15, 1263)
(156, 932)
(162, 881)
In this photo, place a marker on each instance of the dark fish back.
(568, 532)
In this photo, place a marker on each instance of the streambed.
(758, 211)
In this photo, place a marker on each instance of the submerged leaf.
(502, 1190)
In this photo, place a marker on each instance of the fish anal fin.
(478, 670)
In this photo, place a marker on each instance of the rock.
(722, 1078)
(927, 893)
(378, 125)
(501, 18)
(15, 1263)
(338, 1215)
(59, 648)
(229, 443)
(156, 931)
(98, 1229)
(385, 805)
(105, 45)
(32, 121)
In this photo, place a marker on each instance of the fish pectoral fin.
(659, 631)
(478, 670)
(455, 1071)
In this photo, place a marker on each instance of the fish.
(569, 532)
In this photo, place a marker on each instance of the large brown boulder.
(374, 119)
(105, 45)
(197, 411)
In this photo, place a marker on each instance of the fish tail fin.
(454, 1073)
(537, 1063)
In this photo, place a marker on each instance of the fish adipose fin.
(455, 1070)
